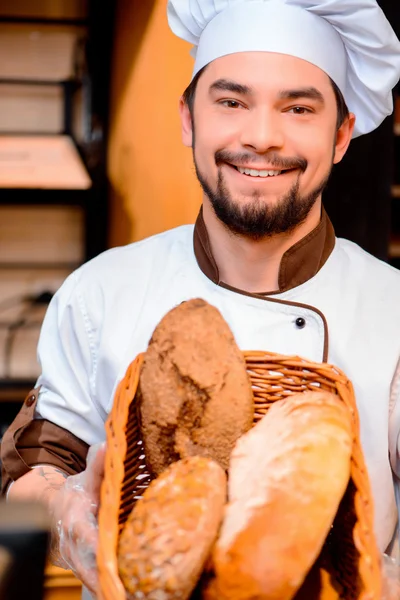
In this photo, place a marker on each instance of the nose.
(262, 131)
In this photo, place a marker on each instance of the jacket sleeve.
(29, 441)
(394, 422)
(68, 355)
(62, 417)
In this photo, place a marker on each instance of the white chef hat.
(351, 40)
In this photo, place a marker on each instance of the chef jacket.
(335, 303)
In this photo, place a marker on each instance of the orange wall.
(152, 176)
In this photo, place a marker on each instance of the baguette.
(170, 531)
(286, 479)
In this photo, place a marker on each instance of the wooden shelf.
(45, 10)
(395, 191)
(45, 266)
(40, 82)
(44, 162)
(60, 584)
(14, 390)
(394, 248)
(54, 79)
(77, 22)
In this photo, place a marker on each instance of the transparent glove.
(391, 578)
(75, 515)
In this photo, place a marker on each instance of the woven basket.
(350, 561)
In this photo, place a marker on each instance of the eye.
(231, 103)
(300, 110)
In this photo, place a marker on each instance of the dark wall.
(358, 197)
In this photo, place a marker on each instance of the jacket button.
(30, 400)
(300, 322)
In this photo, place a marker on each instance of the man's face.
(264, 137)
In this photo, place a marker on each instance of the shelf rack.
(91, 77)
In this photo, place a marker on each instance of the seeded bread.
(170, 531)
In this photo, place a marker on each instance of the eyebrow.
(227, 85)
(310, 93)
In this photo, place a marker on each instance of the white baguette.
(286, 479)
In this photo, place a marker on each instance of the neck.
(248, 265)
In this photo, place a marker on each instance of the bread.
(286, 479)
(195, 394)
(171, 529)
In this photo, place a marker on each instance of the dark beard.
(257, 220)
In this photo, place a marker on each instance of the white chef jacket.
(106, 311)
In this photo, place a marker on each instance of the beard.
(258, 220)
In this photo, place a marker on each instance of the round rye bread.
(170, 532)
(195, 394)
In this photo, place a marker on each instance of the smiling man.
(279, 89)
(263, 150)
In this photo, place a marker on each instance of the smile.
(260, 173)
(257, 173)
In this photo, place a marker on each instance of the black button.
(30, 400)
(300, 322)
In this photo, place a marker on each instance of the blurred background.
(91, 158)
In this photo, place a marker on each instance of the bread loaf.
(195, 394)
(171, 529)
(286, 479)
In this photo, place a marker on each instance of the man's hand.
(73, 503)
(75, 508)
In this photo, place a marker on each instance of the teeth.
(256, 173)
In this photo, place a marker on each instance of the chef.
(279, 89)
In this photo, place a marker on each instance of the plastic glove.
(75, 515)
(391, 578)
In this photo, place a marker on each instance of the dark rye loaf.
(195, 394)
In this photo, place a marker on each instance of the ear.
(343, 137)
(186, 123)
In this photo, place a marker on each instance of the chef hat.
(350, 40)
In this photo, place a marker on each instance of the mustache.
(273, 159)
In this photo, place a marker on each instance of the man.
(279, 89)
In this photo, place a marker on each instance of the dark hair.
(190, 92)
(343, 111)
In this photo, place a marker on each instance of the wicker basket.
(353, 557)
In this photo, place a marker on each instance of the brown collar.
(299, 264)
